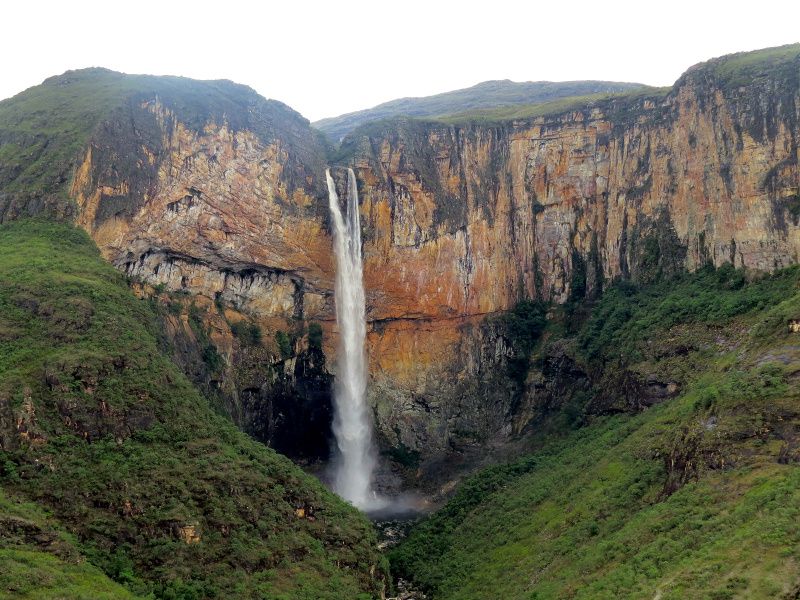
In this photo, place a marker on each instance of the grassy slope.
(100, 427)
(740, 68)
(41, 562)
(44, 129)
(698, 497)
(556, 107)
(729, 72)
(486, 95)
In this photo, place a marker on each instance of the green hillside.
(741, 68)
(41, 562)
(45, 129)
(151, 486)
(695, 497)
(560, 106)
(483, 96)
(620, 104)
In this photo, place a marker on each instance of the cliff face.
(466, 219)
(500, 212)
(227, 219)
(226, 222)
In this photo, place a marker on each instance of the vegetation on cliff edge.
(483, 96)
(619, 105)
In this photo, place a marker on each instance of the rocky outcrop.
(462, 220)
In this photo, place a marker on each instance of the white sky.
(327, 58)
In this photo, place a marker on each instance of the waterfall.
(351, 422)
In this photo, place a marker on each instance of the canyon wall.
(466, 219)
(226, 222)
(222, 221)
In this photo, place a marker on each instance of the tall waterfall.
(351, 421)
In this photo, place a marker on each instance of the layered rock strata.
(463, 219)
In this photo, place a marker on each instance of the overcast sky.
(327, 58)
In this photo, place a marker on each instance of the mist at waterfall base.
(355, 460)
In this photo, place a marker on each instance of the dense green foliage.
(629, 316)
(696, 497)
(160, 493)
(208, 351)
(284, 343)
(248, 333)
(486, 95)
(315, 335)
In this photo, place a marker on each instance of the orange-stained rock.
(219, 219)
(460, 222)
(188, 534)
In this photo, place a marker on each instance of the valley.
(579, 309)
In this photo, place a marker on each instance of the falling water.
(351, 421)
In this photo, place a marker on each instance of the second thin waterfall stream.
(352, 424)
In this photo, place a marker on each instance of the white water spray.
(351, 421)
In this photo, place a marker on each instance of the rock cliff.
(222, 213)
(466, 218)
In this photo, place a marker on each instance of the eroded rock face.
(461, 222)
(227, 219)
(214, 211)
(464, 221)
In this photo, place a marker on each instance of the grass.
(555, 107)
(100, 428)
(486, 95)
(31, 575)
(410, 127)
(628, 317)
(45, 129)
(734, 70)
(739, 69)
(696, 497)
(41, 562)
